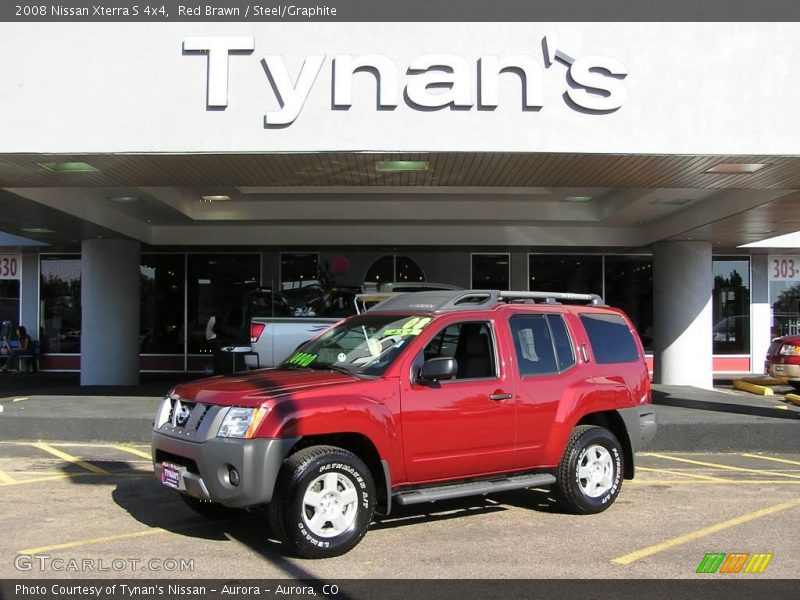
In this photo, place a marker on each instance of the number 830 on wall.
(9, 266)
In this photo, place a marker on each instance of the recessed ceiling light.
(392, 166)
(756, 231)
(36, 230)
(736, 168)
(219, 198)
(125, 199)
(68, 167)
(577, 198)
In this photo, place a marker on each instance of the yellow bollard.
(753, 388)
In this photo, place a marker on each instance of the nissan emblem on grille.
(182, 414)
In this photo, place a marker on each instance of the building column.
(760, 312)
(682, 287)
(109, 312)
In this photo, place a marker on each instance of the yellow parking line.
(684, 474)
(780, 460)
(133, 451)
(627, 559)
(125, 536)
(5, 477)
(71, 476)
(704, 482)
(71, 459)
(717, 466)
(97, 540)
(21, 399)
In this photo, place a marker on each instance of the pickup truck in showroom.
(427, 396)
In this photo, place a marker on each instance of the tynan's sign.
(10, 266)
(433, 81)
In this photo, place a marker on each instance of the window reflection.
(60, 295)
(731, 305)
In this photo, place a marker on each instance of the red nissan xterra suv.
(427, 396)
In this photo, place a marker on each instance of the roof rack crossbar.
(551, 296)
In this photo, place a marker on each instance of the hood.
(251, 389)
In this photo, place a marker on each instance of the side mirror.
(438, 368)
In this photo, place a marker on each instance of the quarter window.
(610, 338)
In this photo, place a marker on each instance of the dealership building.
(152, 174)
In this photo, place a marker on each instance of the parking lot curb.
(780, 437)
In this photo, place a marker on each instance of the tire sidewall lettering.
(357, 479)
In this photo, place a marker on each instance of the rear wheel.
(589, 476)
(323, 502)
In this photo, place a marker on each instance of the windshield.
(364, 345)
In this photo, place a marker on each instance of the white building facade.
(151, 172)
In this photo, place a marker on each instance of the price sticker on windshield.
(784, 268)
(10, 266)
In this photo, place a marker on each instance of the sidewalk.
(53, 406)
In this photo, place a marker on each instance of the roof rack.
(446, 300)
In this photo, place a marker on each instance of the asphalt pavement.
(53, 406)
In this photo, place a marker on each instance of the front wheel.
(323, 502)
(589, 476)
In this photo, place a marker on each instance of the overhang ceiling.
(481, 199)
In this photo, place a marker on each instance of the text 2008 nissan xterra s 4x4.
(425, 397)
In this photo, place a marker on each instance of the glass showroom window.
(218, 295)
(731, 305)
(491, 271)
(784, 294)
(391, 268)
(162, 281)
(299, 270)
(60, 303)
(9, 305)
(581, 274)
(629, 286)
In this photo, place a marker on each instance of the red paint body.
(453, 430)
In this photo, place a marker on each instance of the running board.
(473, 488)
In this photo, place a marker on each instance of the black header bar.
(268, 11)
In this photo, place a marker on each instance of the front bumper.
(206, 465)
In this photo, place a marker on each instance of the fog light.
(233, 476)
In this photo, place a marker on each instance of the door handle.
(497, 397)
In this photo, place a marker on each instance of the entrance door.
(465, 426)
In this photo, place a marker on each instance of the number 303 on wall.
(10, 266)
(784, 268)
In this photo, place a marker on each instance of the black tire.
(572, 495)
(209, 509)
(795, 384)
(292, 521)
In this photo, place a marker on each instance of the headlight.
(241, 422)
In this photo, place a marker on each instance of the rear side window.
(541, 343)
(610, 338)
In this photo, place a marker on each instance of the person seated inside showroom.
(12, 354)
